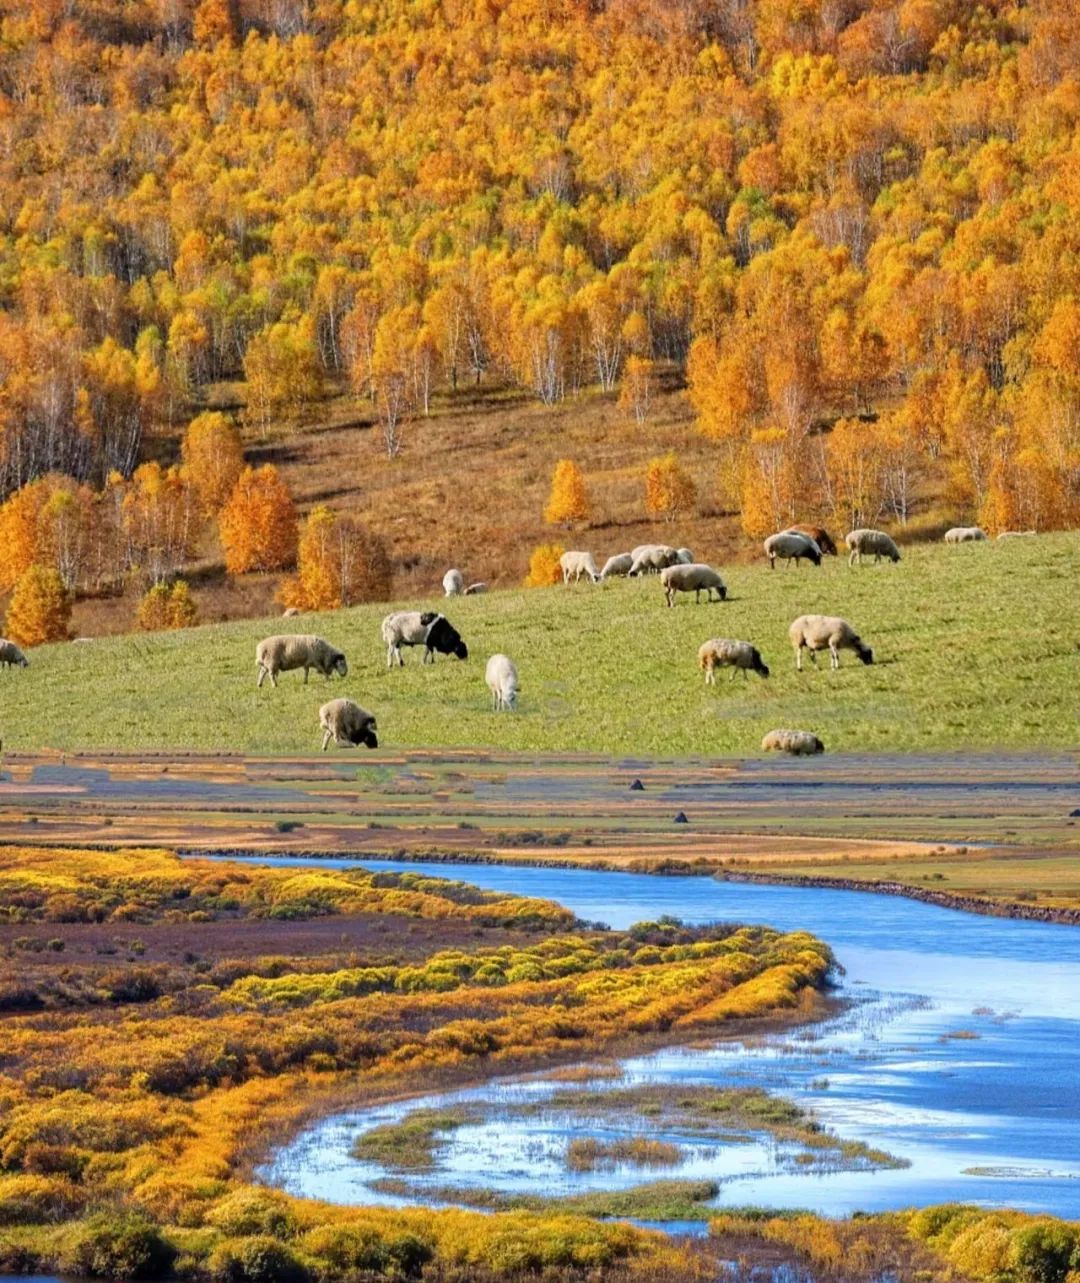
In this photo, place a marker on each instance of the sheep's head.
(366, 735)
(461, 650)
(762, 669)
(866, 655)
(723, 592)
(23, 662)
(340, 666)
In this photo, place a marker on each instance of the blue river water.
(959, 1053)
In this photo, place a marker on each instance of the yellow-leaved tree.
(40, 609)
(163, 607)
(213, 457)
(569, 500)
(669, 489)
(544, 568)
(339, 563)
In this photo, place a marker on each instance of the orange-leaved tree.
(544, 568)
(569, 500)
(258, 523)
(163, 607)
(40, 609)
(339, 563)
(213, 457)
(669, 488)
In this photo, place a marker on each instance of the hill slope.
(968, 657)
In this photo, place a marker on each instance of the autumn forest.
(838, 237)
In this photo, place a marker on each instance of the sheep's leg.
(305, 674)
(273, 678)
(798, 658)
(325, 741)
(732, 677)
(262, 674)
(834, 656)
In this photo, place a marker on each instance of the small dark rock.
(638, 787)
(681, 818)
(1075, 814)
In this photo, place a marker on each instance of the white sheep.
(965, 534)
(650, 558)
(428, 629)
(800, 743)
(818, 632)
(723, 652)
(685, 556)
(576, 564)
(694, 578)
(617, 566)
(502, 679)
(345, 722)
(864, 542)
(1016, 534)
(290, 612)
(791, 546)
(11, 656)
(474, 590)
(285, 651)
(453, 583)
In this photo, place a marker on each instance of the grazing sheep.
(653, 557)
(800, 743)
(290, 612)
(345, 722)
(791, 546)
(965, 534)
(576, 564)
(1016, 534)
(685, 556)
(432, 631)
(502, 679)
(692, 578)
(816, 632)
(723, 652)
(617, 566)
(864, 542)
(11, 656)
(474, 589)
(453, 583)
(278, 654)
(819, 535)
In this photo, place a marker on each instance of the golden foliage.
(40, 608)
(669, 489)
(213, 458)
(544, 569)
(163, 607)
(258, 523)
(569, 500)
(339, 563)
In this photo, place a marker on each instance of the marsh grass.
(975, 646)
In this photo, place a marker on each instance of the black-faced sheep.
(799, 743)
(864, 542)
(821, 632)
(412, 628)
(723, 652)
(279, 654)
(11, 656)
(696, 578)
(474, 590)
(502, 680)
(345, 722)
(576, 564)
(791, 546)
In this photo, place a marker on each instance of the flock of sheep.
(345, 723)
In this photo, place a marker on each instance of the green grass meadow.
(976, 647)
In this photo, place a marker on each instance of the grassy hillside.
(976, 647)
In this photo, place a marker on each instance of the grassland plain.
(975, 647)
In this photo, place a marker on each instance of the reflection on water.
(992, 1118)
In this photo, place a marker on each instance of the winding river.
(960, 1054)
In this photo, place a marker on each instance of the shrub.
(164, 608)
(257, 1259)
(568, 500)
(248, 1212)
(544, 568)
(119, 1245)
